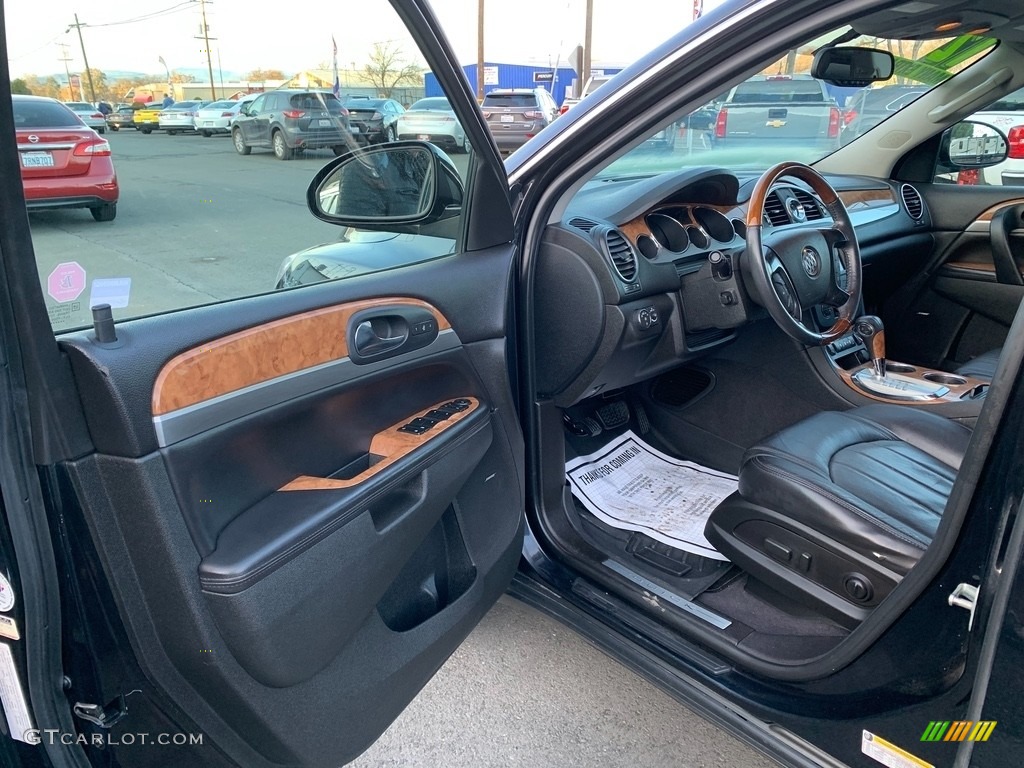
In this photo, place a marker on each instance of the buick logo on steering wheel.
(811, 262)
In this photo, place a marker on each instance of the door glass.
(153, 222)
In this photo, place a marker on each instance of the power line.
(146, 17)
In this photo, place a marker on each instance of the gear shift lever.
(870, 331)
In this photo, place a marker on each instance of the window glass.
(176, 218)
(1007, 115)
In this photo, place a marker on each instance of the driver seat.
(833, 511)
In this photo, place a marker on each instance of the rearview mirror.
(852, 67)
(384, 186)
(970, 144)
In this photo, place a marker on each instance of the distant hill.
(199, 73)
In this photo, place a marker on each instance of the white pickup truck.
(592, 84)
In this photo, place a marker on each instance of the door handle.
(379, 335)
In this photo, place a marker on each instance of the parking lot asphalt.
(199, 223)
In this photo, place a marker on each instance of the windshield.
(783, 113)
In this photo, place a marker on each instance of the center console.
(859, 359)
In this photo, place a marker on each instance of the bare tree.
(388, 68)
(261, 75)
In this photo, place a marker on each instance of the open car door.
(271, 518)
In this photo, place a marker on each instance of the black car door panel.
(285, 527)
(965, 301)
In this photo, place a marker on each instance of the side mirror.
(852, 67)
(970, 144)
(381, 187)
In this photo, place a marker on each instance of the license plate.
(208, 122)
(325, 122)
(354, 128)
(508, 118)
(36, 160)
(424, 137)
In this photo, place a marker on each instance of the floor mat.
(632, 486)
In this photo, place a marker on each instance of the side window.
(203, 220)
(1006, 114)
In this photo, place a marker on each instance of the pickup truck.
(779, 110)
(147, 119)
(592, 84)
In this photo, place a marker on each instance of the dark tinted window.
(510, 100)
(780, 91)
(312, 101)
(1014, 102)
(432, 103)
(44, 114)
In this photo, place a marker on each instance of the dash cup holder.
(949, 379)
(899, 367)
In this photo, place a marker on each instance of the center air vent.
(775, 210)
(623, 258)
(809, 204)
(912, 200)
(585, 224)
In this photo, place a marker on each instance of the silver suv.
(515, 115)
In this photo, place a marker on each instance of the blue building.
(557, 81)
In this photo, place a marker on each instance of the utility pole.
(205, 37)
(588, 35)
(66, 58)
(88, 73)
(480, 51)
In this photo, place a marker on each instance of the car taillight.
(377, 116)
(487, 115)
(92, 148)
(227, 114)
(98, 115)
(293, 113)
(1016, 138)
(968, 177)
(533, 114)
(850, 116)
(563, 109)
(833, 122)
(720, 123)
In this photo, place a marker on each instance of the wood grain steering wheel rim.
(794, 269)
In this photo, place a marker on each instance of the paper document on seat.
(632, 486)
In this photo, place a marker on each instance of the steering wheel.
(798, 268)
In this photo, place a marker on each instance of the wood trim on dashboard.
(852, 197)
(387, 447)
(264, 352)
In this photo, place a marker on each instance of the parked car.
(147, 117)
(216, 116)
(64, 164)
(870, 106)
(289, 121)
(122, 117)
(89, 114)
(749, 421)
(788, 110)
(374, 121)
(180, 117)
(515, 115)
(433, 119)
(1006, 114)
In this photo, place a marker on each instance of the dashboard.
(643, 273)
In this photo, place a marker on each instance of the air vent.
(810, 205)
(623, 258)
(585, 224)
(775, 210)
(912, 200)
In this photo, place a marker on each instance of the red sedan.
(64, 163)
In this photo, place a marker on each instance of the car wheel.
(207, 134)
(172, 133)
(114, 128)
(390, 134)
(281, 149)
(101, 130)
(105, 212)
(239, 141)
(147, 130)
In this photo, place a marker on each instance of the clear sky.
(133, 34)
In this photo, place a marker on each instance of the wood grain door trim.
(264, 352)
(386, 448)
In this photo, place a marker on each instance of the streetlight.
(168, 71)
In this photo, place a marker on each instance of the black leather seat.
(834, 510)
(981, 367)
